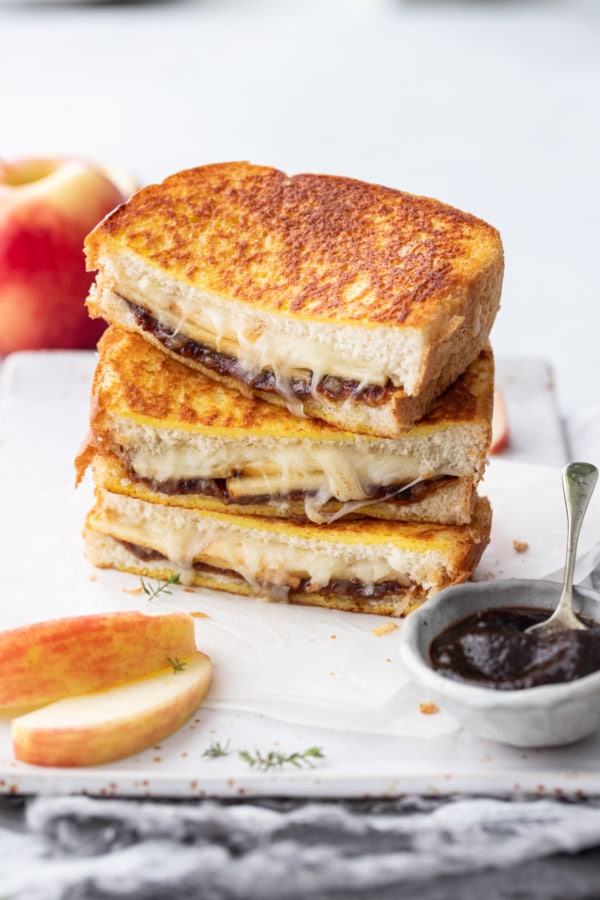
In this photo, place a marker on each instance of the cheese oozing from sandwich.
(276, 557)
(183, 434)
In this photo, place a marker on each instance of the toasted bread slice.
(345, 301)
(368, 566)
(164, 434)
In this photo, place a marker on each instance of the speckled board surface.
(285, 678)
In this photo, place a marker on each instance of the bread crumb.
(385, 628)
(428, 709)
(137, 590)
(199, 615)
(520, 546)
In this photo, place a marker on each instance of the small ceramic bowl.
(544, 716)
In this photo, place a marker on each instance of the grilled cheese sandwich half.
(161, 433)
(371, 566)
(344, 301)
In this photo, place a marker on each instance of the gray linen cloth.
(83, 848)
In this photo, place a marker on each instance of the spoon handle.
(579, 481)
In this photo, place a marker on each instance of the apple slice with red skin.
(47, 207)
(47, 661)
(500, 429)
(98, 728)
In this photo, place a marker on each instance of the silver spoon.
(579, 481)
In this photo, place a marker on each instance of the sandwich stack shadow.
(293, 398)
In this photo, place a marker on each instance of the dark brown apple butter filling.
(300, 386)
(336, 587)
(217, 487)
(492, 648)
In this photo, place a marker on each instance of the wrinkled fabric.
(63, 848)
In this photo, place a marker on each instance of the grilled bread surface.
(140, 383)
(317, 247)
(350, 302)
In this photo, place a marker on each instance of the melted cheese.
(313, 505)
(222, 327)
(262, 340)
(261, 558)
(349, 473)
(322, 473)
(251, 469)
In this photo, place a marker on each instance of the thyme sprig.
(178, 665)
(275, 760)
(216, 749)
(159, 587)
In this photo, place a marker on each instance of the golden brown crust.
(313, 246)
(135, 380)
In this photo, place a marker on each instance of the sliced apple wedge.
(59, 658)
(98, 728)
(500, 430)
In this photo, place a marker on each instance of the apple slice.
(59, 658)
(98, 728)
(500, 432)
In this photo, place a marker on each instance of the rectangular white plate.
(286, 678)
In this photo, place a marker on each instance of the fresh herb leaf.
(178, 666)
(159, 587)
(216, 749)
(274, 759)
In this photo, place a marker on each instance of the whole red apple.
(47, 206)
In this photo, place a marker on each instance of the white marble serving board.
(286, 678)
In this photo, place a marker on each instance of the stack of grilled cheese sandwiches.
(293, 397)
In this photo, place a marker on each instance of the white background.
(492, 106)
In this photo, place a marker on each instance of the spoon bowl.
(544, 716)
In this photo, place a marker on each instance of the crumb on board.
(189, 590)
(520, 546)
(385, 628)
(199, 615)
(491, 574)
(137, 590)
(428, 709)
